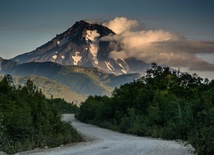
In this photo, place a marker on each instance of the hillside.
(82, 80)
(50, 88)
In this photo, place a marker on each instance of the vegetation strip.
(164, 103)
(29, 120)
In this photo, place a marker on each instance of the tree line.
(164, 103)
(29, 120)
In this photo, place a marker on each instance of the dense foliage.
(165, 103)
(62, 106)
(29, 120)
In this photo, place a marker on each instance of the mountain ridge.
(50, 88)
(82, 80)
(81, 45)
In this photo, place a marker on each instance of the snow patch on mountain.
(123, 61)
(63, 41)
(92, 35)
(92, 39)
(109, 66)
(124, 71)
(54, 57)
(120, 65)
(127, 66)
(93, 49)
(77, 58)
(123, 68)
(63, 57)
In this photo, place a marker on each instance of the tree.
(28, 120)
(164, 103)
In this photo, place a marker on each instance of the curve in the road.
(107, 142)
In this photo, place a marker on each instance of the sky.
(183, 29)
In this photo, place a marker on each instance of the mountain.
(50, 88)
(82, 80)
(81, 45)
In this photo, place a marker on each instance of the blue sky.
(27, 24)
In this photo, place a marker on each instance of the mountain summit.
(81, 45)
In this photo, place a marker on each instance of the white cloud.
(122, 24)
(162, 47)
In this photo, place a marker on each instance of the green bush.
(163, 103)
(29, 120)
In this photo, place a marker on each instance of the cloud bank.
(162, 47)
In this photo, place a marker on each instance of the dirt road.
(107, 142)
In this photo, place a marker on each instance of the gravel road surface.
(107, 142)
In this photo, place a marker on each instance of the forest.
(165, 103)
(29, 120)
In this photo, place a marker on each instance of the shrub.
(28, 120)
(163, 103)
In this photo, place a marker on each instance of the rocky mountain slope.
(82, 45)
